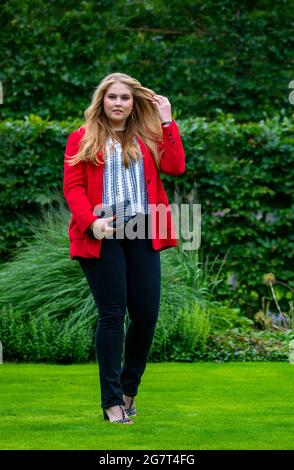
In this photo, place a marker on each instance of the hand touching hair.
(149, 111)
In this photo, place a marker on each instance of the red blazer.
(83, 186)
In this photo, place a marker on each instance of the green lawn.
(180, 406)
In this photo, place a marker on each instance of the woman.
(129, 136)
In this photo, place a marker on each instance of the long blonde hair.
(144, 121)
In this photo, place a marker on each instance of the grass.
(180, 406)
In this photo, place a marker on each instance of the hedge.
(235, 56)
(241, 174)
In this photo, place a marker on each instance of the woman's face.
(118, 97)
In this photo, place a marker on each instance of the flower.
(259, 317)
(218, 213)
(269, 278)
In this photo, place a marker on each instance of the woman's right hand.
(101, 229)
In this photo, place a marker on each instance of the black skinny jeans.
(127, 275)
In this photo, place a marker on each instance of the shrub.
(48, 291)
(45, 340)
(247, 345)
(42, 280)
(189, 333)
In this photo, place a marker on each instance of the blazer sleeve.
(74, 189)
(172, 161)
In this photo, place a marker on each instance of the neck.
(118, 125)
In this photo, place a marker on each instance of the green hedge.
(242, 174)
(31, 173)
(236, 56)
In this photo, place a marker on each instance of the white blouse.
(120, 183)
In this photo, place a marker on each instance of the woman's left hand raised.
(163, 107)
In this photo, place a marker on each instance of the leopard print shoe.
(124, 420)
(131, 409)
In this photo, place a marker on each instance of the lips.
(117, 111)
